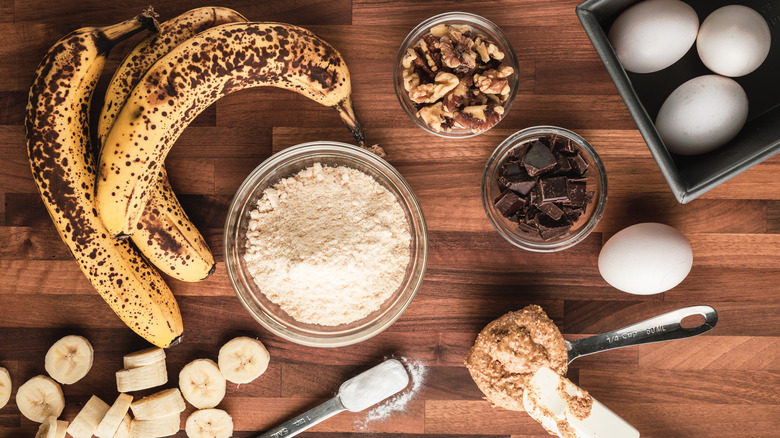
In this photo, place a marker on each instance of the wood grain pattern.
(722, 384)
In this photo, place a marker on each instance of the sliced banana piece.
(165, 426)
(243, 359)
(47, 429)
(88, 418)
(202, 384)
(160, 404)
(69, 359)
(113, 418)
(5, 387)
(209, 423)
(144, 357)
(124, 428)
(143, 377)
(39, 398)
(62, 429)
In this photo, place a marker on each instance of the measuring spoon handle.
(664, 327)
(306, 420)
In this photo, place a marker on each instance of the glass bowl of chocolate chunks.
(544, 189)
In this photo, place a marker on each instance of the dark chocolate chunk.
(562, 165)
(578, 164)
(509, 203)
(518, 184)
(551, 210)
(513, 169)
(554, 189)
(566, 146)
(550, 228)
(576, 191)
(539, 159)
(528, 228)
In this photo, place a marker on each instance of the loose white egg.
(653, 34)
(733, 40)
(702, 114)
(646, 258)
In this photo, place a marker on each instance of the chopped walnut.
(487, 50)
(435, 116)
(478, 118)
(430, 93)
(442, 30)
(454, 99)
(494, 81)
(430, 48)
(457, 52)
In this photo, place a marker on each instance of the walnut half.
(494, 81)
(478, 118)
(430, 93)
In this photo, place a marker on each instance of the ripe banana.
(88, 418)
(180, 85)
(63, 167)
(158, 405)
(243, 359)
(143, 377)
(202, 384)
(47, 429)
(167, 237)
(39, 398)
(143, 357)
(5, 386)
(69, 359)
(209, 423)
(165, 426)
(114, 417)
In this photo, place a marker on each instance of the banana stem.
(347, 114)
(109, 36)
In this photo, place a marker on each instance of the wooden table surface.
(722, 384)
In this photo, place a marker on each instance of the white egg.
(646, 258)
(702, 114)
(733, 40)
(653, 34)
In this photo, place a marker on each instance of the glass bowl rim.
(416, 33)
(499, 154)
(398, 185)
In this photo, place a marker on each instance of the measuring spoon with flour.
(356, 394)
(664, 327)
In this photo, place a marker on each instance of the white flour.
(398, 403)
(329, 245)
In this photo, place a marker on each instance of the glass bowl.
(596, 180)
(481, 26)
(285, 164)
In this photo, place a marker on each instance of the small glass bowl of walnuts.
(456, 75)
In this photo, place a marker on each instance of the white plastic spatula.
(545, 403)
(356, 394)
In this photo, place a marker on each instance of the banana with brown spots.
(64, 169)
(191, 77)
(165, 235)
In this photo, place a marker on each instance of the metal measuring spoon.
(356, 394)
(664, 327)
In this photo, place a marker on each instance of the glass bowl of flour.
(325, 244)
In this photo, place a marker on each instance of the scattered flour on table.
(397, 403)
(329, 245)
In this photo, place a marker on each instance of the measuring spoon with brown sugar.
(666, 327)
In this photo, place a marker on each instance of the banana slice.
(113, 418)
(160, 404)
(88, 418)
(69, 359)
(47, 429)
(62, 429)
(165, 426)
(39, 398)
(124, 428)
(5, 386)
(243, 359)
(143, 377)
(202, 384)
(144, 357)
(209, 423)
